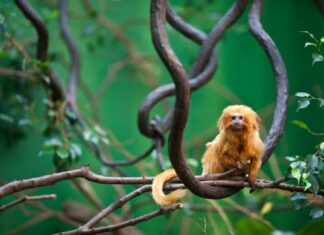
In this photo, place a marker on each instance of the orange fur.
(237, 143)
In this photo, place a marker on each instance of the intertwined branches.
(184, 83)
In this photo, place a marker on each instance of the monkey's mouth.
(237, 126)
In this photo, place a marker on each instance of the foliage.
(316, 44)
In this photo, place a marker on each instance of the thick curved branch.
(280, 73)
(158, 11)
(75, 57)
(165, 91)
(135, 160)
(216, 33)
(42, 47)
(42, 32)
(183, 27)
(199, 75)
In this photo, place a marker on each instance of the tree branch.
(27, 198)
(75, 57)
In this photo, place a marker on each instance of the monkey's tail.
(157, 189)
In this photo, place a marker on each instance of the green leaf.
(312, 162)
(87, 135)
(105, 141)
(46, 79)
(193, 162)
(24, 122)
(317, 58)
(315, 184)
(310, 44)
(310, 35)
(52, 143)
(278, 232)
(6, 118)
(45, 153)
(298, 196)
(291, 159)
(266, 208)
(307, 185)
(321, 101)
(302, 95)
(316, 213)
(94, 139)
(294, 165)
(99, 130)
(302, 103)
(75, 151)
(322, 145)
(296, 173)
(300, 124)
(62, 153)
(322, 40)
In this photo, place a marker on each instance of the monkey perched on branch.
(238, 144)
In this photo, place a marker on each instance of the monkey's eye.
(233, 117)
(240, 117)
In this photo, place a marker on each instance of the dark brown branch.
(27, 198)
(126, 223)
(186, 29)
(216, 33)
(75, 57)
(320, 5)
(103, 159)
(114, 206)
(165, 91)
(42, 32)
(4, 72)
(42, 47)
(160, 41)
(84, 172)
(280, 73)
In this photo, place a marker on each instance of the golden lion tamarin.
(237, 144)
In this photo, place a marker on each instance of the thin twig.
(27, 198)
(126, 223)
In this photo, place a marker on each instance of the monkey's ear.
(220, 123)
(257, 123)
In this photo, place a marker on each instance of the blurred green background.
(244, 76)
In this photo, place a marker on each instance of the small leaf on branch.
(315, 185)
(266, 208)
(316, 213)
(296, 173)
(317, 58)
(298, 196)
(302, 95)
(310, 35)
(302, 103)
(321, 101)
(310, 44)
(6, 118)
(62, 153)
(291, 159)
(300, 124)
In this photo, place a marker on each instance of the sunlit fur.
(232, 146)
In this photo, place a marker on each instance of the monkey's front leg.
(254, 169)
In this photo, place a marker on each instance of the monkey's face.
(238, 119)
